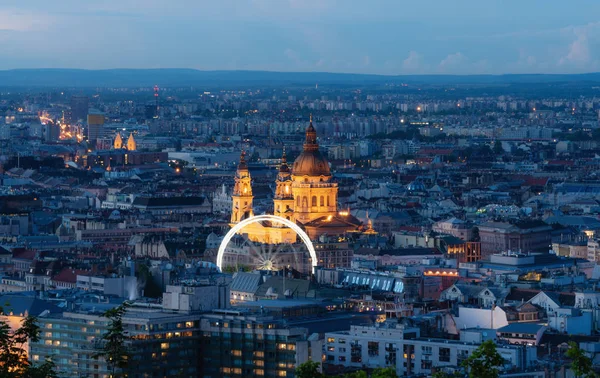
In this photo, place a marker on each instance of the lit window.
(164, 345)
(282, 373)
(236, 352)
(259, 372)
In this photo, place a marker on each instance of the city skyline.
(384, 37)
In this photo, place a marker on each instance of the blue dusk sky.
(359, 36)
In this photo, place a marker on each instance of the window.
(331, 340)
(314, 200)
(322, 201)
(282, 373)
(444, 355)
(373, 348)
(259, 372)
(342, 358)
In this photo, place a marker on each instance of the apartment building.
(391, 344)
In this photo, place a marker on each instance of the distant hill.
(176, 77)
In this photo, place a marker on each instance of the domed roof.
(311, 162)
(416, 186)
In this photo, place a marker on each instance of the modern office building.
(79, 108)
(234, 345)
(161, 344)
(95, 125)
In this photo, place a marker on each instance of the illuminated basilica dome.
(305, 194)
(311, 162)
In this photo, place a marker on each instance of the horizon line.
(296, 72)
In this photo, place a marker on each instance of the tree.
(113, 347)
(443, 374)
(580, 363)
(485, 361)
(309, 369)
(357, 374)
(151, 288)
(13, 354)
(498, 150)
(388, 372)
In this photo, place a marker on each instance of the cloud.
(453, 62)
(291, 55)
(581, 53)
(413, 63)
(578, 52)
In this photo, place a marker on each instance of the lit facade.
(118, 144)
(304, 194)
(131, 144)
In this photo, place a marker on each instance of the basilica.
(305, 193)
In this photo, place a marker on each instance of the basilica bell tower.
(242, 192)
(283, 203)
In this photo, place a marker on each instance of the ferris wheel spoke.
(275, 253)
(253, 252)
